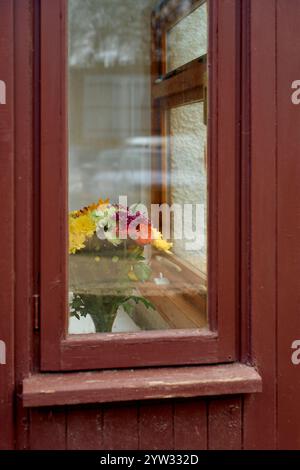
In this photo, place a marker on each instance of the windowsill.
(139, 384)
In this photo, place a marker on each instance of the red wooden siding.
(7, 223)
(270, 419)
(184, 424)
(288, 226)
(263, 222)
(25, 197)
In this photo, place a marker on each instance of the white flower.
(106, 228)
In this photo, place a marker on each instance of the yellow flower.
(85, 225)
(80, 229)
(159, 243)
(76, 242)
(88, 209)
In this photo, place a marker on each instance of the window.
(112, 156)
(139, 267)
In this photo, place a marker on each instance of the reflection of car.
(127, 171)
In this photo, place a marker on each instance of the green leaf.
(128, 307)
(142, 300)
(142, 271)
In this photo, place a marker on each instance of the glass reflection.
(119, 283)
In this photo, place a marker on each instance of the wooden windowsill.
(139, 384)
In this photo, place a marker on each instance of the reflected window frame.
(184, 85)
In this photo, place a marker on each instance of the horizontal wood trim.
(190, 76)
(141, 349)
(193, 95)
(141, 384)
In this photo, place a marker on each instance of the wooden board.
(225, 424)
(139, 384)
(260, 411)
(7, 224)
(26, 152)
(190, 425)
(48, 429)
(156, 426)
(288, 213)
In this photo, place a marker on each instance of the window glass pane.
(187, 40)
(188, 187)
(130, 266)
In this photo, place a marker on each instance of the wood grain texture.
(7, 224)
(225, 424)
(188, 78)
(48, 429)
(263, 225)
(84, 428)
(288, 66)
(120, 428)
(123, 350)
(24, 190)
(156, 426)
(190, 425)
(53, 174)
(140, 384)
(223, 154)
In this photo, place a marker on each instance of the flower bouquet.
(110, 243)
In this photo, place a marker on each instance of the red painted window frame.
(219, 343)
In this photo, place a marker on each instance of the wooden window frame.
(219, 343)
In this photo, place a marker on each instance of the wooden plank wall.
(267, 420)
(288, 225)
(7, 223)
(184, 424)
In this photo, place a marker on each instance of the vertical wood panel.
(156, 426)
(223, 256)
(225, 424)
(190, 425)
(48, 429)
(53, 174)
(260, 409)
(288, 224)
(7, 225)
(120, 428)
(84, 429)
(24, 199)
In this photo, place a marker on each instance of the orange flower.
(144, 234)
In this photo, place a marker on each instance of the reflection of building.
(109, 32)
(109, 100)
(106, 111)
